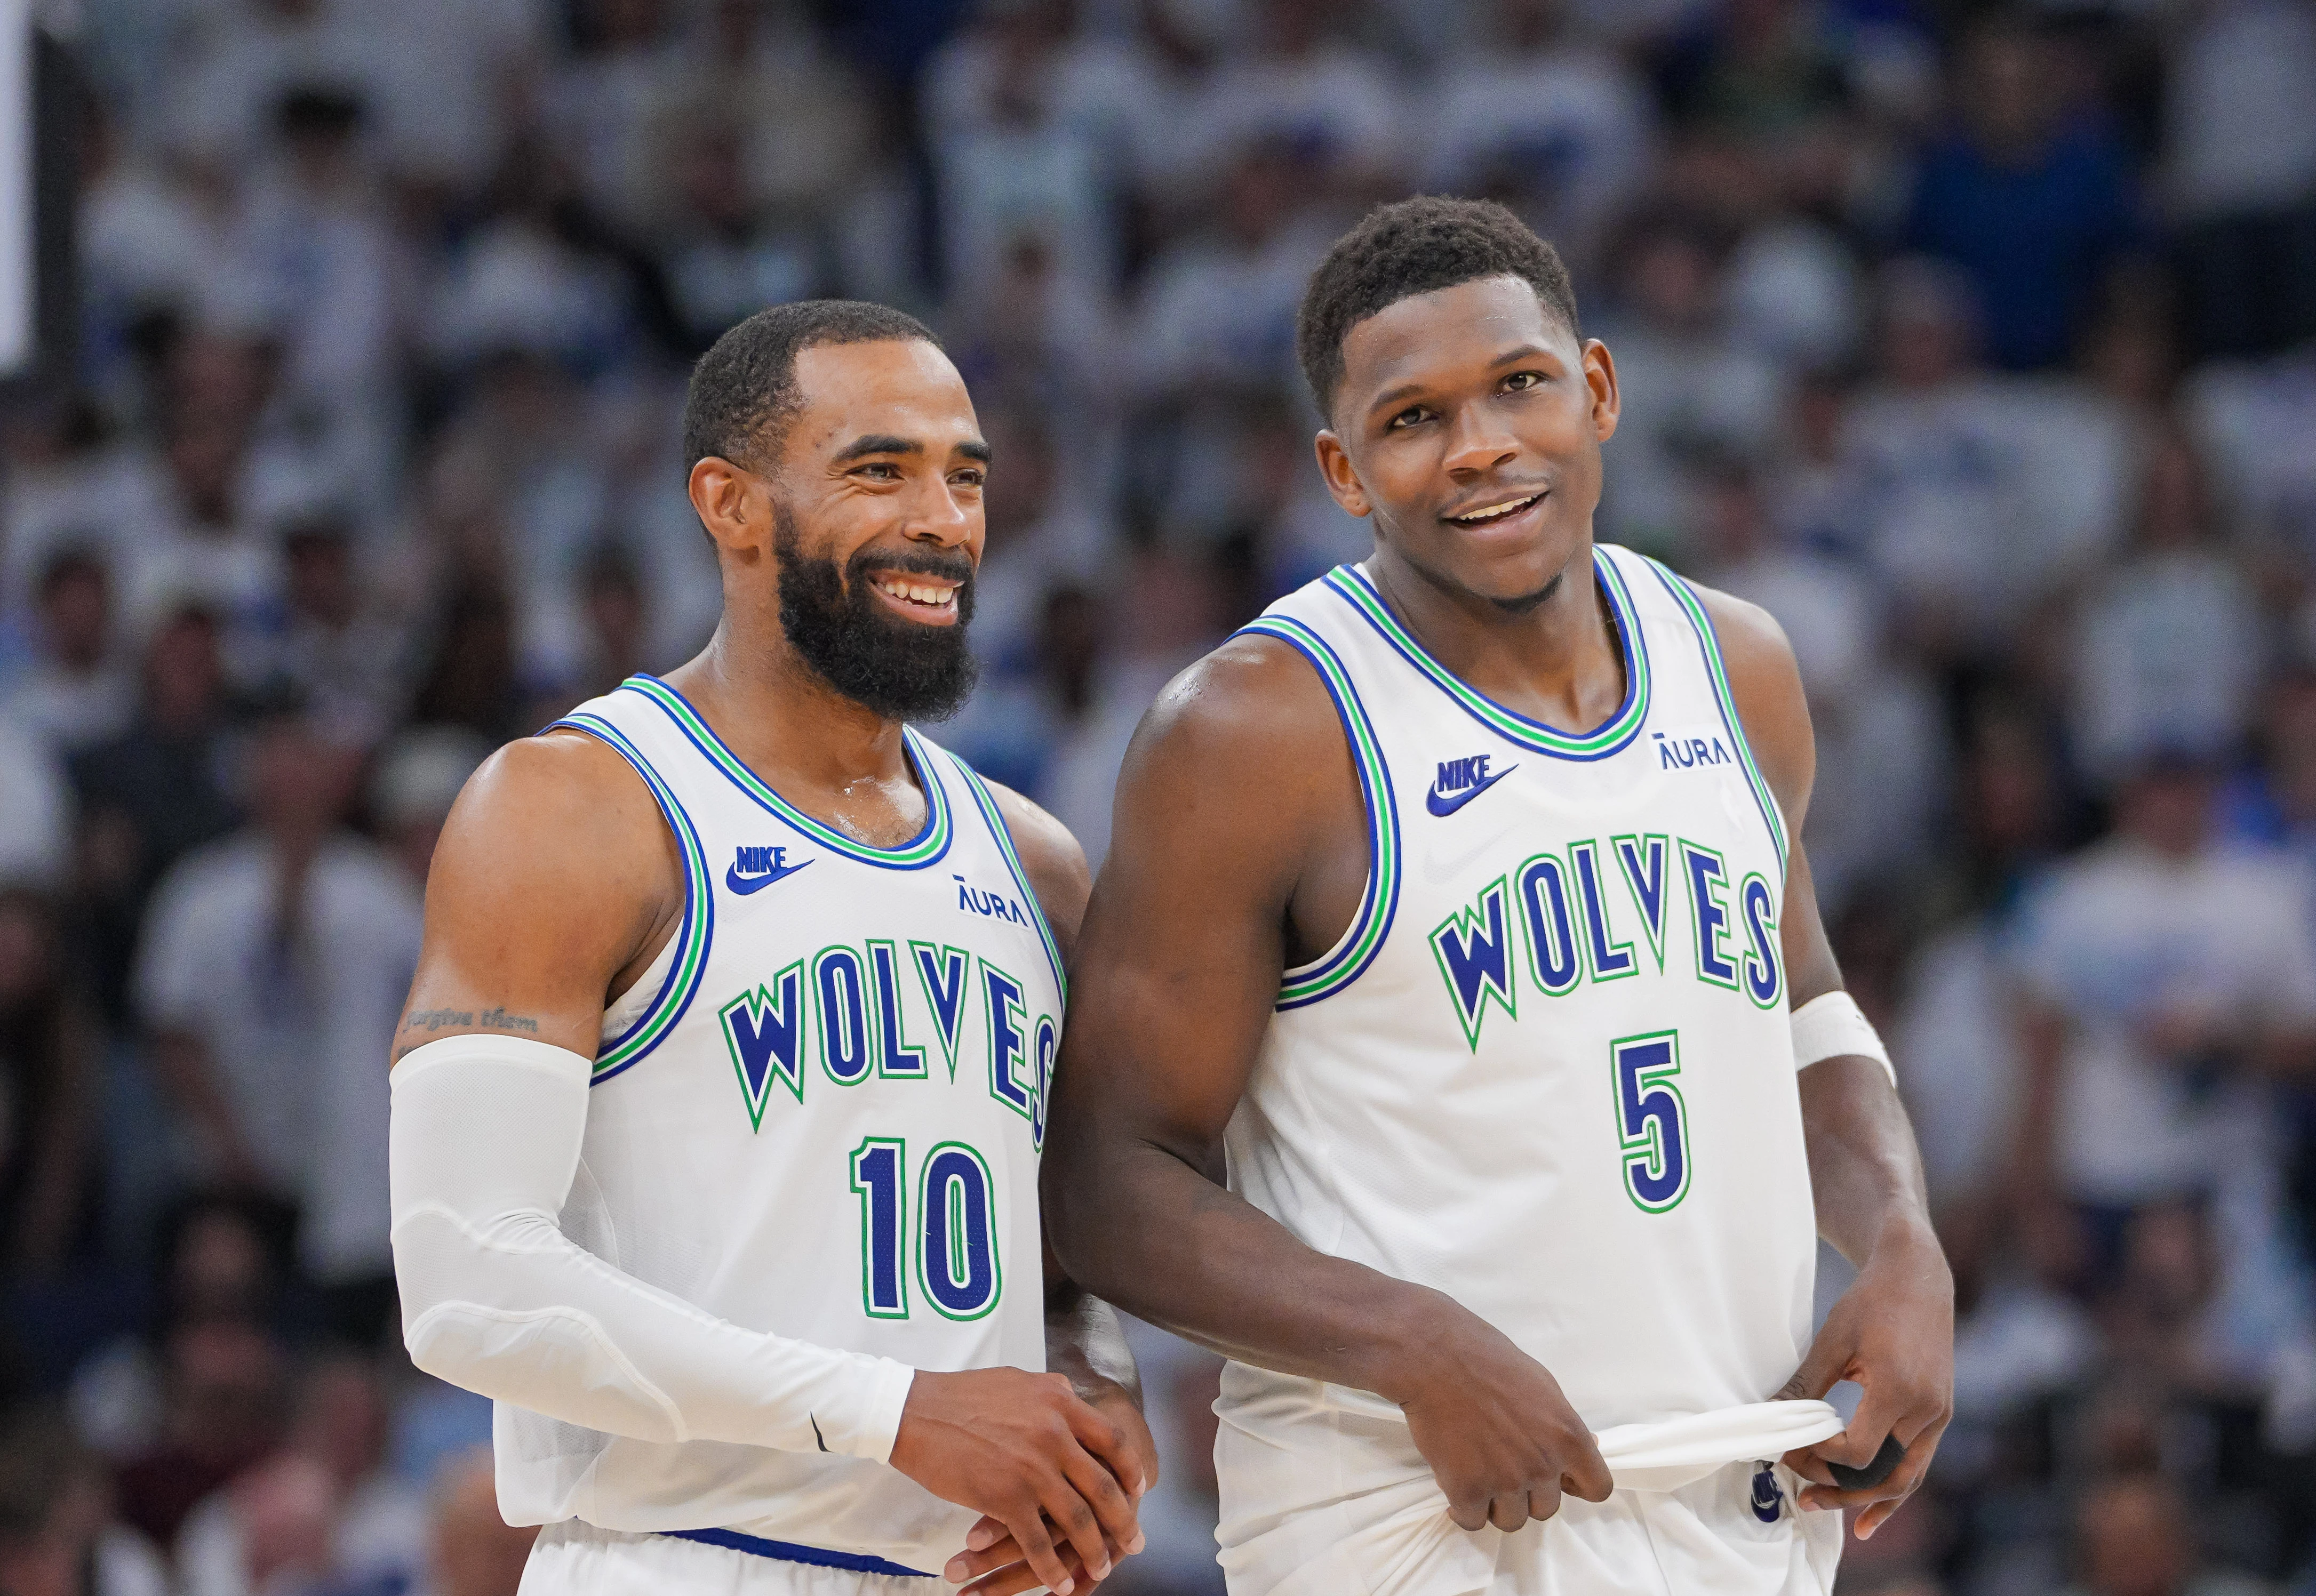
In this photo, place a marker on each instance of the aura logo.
(1687, 750)
(1460, 781)
(755, 868)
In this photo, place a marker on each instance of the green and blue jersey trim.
(1380, 904)
(1611, 737)
(697, 930)
(987, 802)
(1708, 641)
(927, 847)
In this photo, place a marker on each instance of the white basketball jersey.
(819, 1114)
(1547, 1070)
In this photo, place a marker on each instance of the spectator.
(48, 1093)
(1544, 119)
(152, 793)
(2132, 1539)
(2168, 647)
(342, 651)
(2241, 173)
(222, 1384)
(2033, 205)
(76, 693)
(270, 978)
(58, 1534)
(2165, 982)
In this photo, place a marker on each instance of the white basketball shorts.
(1321, 1499)
(573, 1558)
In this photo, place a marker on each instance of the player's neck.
(1558, 662)
(809, 742)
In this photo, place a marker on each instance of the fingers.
(1027, 1524)
(1821, 1368)
(1012, 1578)
(1109, 1441)
(1470, 1515)
(1084, 1502)
(1508, 1509)
(1587, 1474)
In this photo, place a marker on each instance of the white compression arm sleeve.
(485, 1140)
(1832, 1024)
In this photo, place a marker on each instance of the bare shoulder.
(554, 868)
(1051, 858)
(1768, 686)
(1253, 704)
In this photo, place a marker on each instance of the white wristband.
(1832, 1026)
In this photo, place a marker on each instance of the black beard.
(898, 669)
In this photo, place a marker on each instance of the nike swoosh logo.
(1444, 805)
(745, 884)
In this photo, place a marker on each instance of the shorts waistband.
(783, 1551)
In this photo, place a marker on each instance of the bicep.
(1184, 940)
(552, 871)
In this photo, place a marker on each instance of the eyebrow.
(887, 443)
(1526, 351)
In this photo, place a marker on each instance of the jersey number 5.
(1652, 1123)
(956, 1231)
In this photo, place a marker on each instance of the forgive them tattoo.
(490, 1019)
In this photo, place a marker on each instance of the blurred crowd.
(1976, 344)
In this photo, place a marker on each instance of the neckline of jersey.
(928, 847)
(1610, 737)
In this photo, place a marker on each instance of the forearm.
(485, 1141)
(1163, 1241)
(1865, 1170)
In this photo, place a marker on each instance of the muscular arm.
(1894, 1332)
(1237, 779)
(555, 876)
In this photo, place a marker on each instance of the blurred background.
(1978, 344)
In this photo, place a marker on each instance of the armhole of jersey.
(1708, 642)
(1356, 949)
(675, 993)
(987, 802)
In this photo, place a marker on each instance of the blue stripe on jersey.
(1611, 737)
(1708, 641)
(785, 1551)
(987, 803)
(927, 847)
(693, 936)
(1379, 904)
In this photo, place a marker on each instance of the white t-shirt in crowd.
(2114, 936)
(2168, 654)
(297, 1034)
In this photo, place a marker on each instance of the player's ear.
(1600, 377)
(1342, 481)
(731, 503)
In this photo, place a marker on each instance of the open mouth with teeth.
(920, 597)
(1490, 515)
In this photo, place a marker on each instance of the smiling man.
(1454, 1044)
(720, 1096)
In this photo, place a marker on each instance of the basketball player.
(1460, 901)
(719, 1097)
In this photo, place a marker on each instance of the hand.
(993, 1558)
(1023, 1448)
(1893, 1333)
(1500, 1438)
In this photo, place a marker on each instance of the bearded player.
(1457, 908)
(719, 1099)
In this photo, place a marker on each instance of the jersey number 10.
(955, 1230)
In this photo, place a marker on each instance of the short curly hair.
(1410, 247)
(744, 390)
